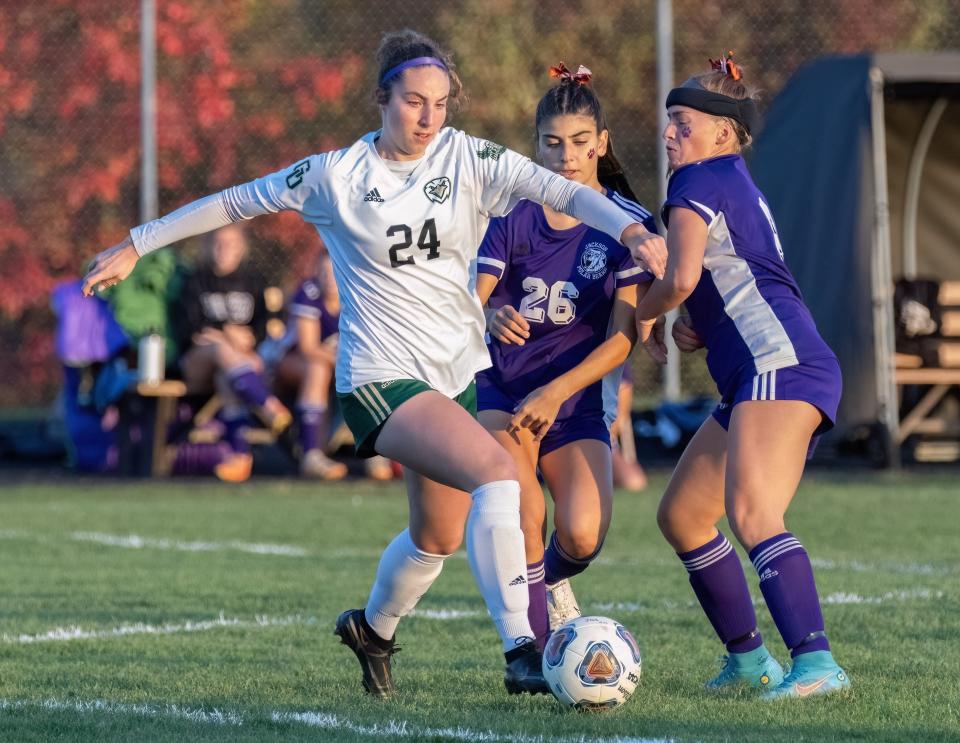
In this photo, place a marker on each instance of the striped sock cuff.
(770, 549)
(555, 545)
(535, 572)
(703, 557)
(239, 371)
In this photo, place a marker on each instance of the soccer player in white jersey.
(402, 212)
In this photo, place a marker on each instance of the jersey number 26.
(560, 295)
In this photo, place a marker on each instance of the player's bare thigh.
(524, 452)
(435, 436)
(767, 451)
(580, 478)
(693, 502)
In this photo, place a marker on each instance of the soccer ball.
(592, 664)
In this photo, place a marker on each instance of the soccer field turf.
(195, 611)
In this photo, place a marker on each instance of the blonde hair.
(717, 81)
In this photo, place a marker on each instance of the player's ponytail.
(573, 95)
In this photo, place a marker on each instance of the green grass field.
(193, 611)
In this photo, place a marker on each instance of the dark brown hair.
(397, 47)
(570, 97)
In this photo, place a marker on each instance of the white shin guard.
(498, 560)
(404, 574)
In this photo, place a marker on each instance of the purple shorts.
(817, 382)
(567, 429)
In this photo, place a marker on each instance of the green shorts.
(367, 408)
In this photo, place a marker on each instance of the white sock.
(404, 574)
(498, 560)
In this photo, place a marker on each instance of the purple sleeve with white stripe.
(494, 253)
(307, 301)
(693, 187)
(627, 273)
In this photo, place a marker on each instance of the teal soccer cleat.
(811, 674)
(756, 669)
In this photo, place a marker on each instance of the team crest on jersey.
(491, 151)
(311, 290)
(593, 261)
(438, 190)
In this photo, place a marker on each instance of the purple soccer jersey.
(563, 282)
(747, 306)
(308, 302)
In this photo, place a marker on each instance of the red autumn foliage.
(232, 104)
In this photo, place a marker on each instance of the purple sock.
(721, 587)
(312, 420)
(786, 581)
(559, 565)
(537, 611)
(248, 386)
(235, 423)
(199, 459)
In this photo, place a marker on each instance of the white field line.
(853, 566)
(133, 541)
(74, 632)
(64, 634)
(834, 599)
(905, 568)
(391, 729)
(910, 595)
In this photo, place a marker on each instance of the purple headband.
(415, 62)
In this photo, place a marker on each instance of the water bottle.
(151, 358)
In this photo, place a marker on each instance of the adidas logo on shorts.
(373, 195)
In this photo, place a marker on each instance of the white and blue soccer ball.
(592, 664)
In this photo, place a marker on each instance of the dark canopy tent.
(859, 159)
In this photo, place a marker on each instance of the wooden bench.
(918, 419)
(146, 412)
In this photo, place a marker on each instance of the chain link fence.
(247, 86)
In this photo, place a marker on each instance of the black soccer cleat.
(524, 674)
(374, 659)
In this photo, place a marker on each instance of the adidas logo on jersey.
(518, 581)
(373, 195)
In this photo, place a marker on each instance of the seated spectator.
(221, 317)
(307, 358)
(627, 472)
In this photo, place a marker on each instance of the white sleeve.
(582, 202)
(298, 188)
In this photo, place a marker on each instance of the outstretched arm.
(286, 189)
(593, 208)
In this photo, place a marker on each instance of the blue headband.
(415, 62)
